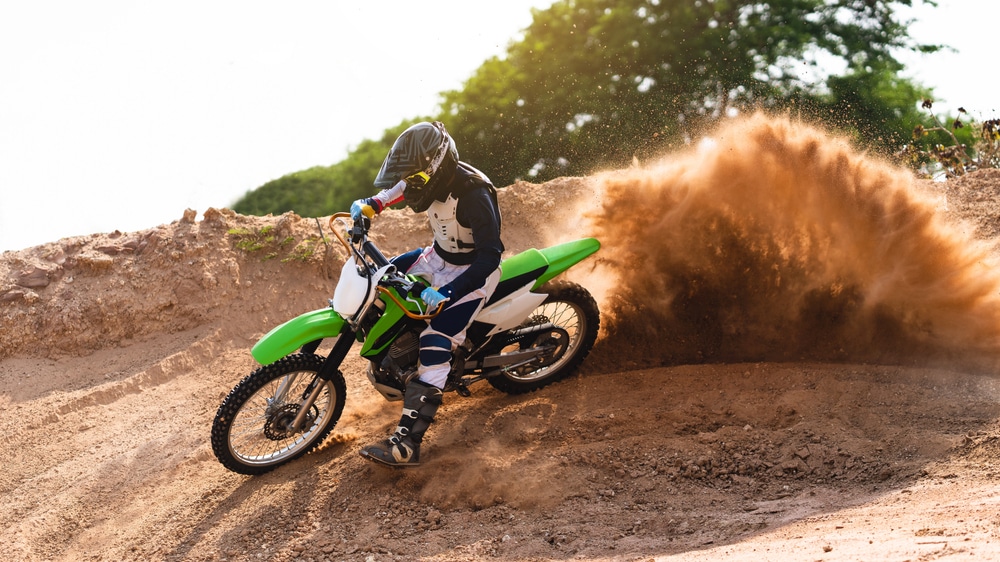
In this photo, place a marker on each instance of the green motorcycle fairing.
(386, 328)
(530, 266)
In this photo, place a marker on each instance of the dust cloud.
(777, 241)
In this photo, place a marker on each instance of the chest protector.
(449, 235)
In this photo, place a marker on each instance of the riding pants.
(447, 330)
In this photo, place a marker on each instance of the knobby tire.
(242, 439)
(571, 307)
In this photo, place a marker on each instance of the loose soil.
(797, 362)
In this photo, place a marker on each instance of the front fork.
(326, 372)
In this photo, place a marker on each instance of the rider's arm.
(387, 197)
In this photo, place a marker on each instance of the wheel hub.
(554, 343)
(278, 423)
(558, 340)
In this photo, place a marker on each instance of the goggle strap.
(432, 168)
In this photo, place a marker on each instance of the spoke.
(247, 439)
(567, 317)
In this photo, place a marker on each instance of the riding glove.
(363, 207)
(432, 297)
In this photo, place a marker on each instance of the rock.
(33, 278)
(57, 256)
(94, 263)
(12, 295)
(433, 517)
(214, 217)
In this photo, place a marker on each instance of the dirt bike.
(531, 332)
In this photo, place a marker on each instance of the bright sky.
(119, 115)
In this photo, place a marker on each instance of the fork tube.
(282, 391)
(330, 366)
(373, 252)
(337, 354)
(306, 404)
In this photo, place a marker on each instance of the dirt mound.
(797, 360)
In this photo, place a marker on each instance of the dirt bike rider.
(462, 265)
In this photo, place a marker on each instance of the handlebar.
(399, 303)
(339, 236)
(359, 236)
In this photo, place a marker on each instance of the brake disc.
(276, 427)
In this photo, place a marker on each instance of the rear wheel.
(252, 431)
(568, 321)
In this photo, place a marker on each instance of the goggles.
(417, 180)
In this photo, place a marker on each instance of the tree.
(324, 190)
(877, 107)
(596, 83)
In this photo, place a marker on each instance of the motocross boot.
(402, 448)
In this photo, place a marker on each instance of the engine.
(405, 351)
(398, 367)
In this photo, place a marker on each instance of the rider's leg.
(422, 396)
(443, 334)
(402, 448)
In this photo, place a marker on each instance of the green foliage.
(876, 108)
(302, 251)
(306, 189)
(955, 149)
(263, 239)
(988, 143)
(252, 240)
(598, 83)
(323, 190)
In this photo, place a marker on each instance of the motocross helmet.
(425, 157)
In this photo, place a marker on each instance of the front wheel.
(252, 431)
(571, 319)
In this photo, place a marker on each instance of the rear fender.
(290, 336)
(564, 256)
(543, 265)
(525, 272)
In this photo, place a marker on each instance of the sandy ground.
(116, 349)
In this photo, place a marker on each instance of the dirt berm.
(797, 361)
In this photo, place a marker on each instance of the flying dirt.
(776, 242)
(797, 361)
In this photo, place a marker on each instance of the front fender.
(286, 338)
